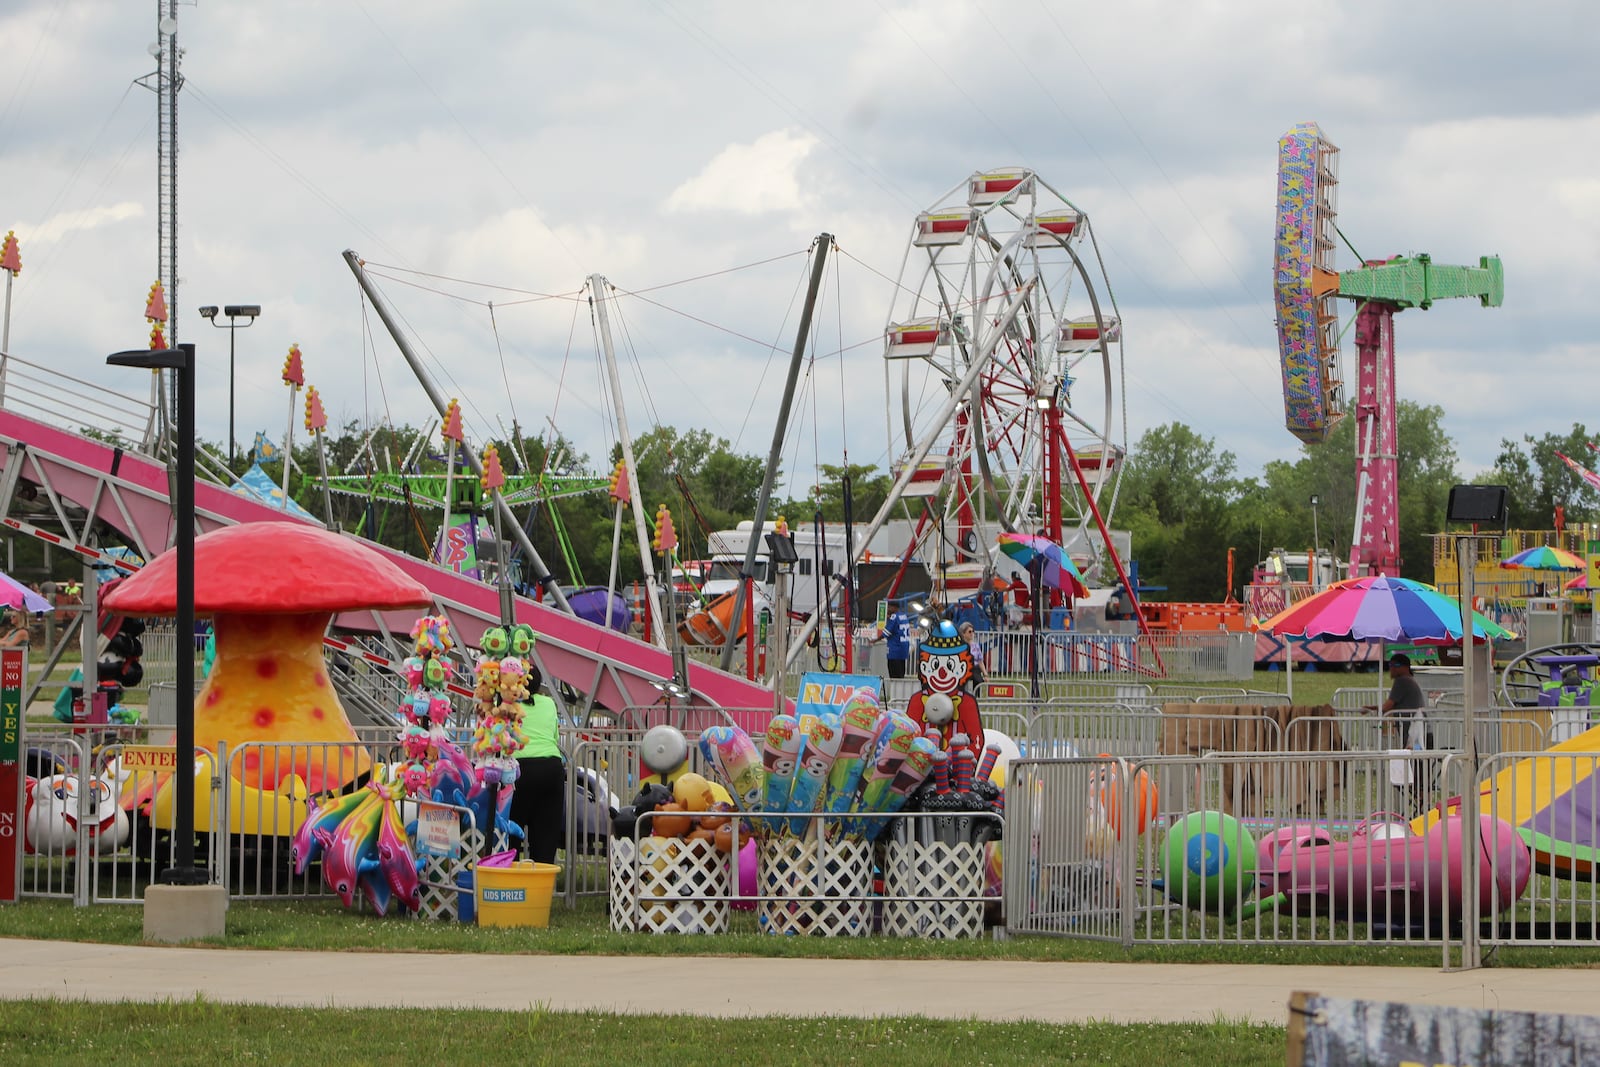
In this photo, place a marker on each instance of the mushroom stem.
(269, 691)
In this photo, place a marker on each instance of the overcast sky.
(528, 146)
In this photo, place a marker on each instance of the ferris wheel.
(1035, 443)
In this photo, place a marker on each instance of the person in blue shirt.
(897, 641)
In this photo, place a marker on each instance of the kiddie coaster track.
(72, 491)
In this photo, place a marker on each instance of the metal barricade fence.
(263, 798)
(1194, 656)
(113, 846)
(53, 843)
(1297, 847)
(1354, 698)
(1548, 799)
(1195, 693)
(151, 845)
(1062, 873)
(1079, 689)
(602, 763)
(160, 656)
(1087, 730)
(1244, 696)
(1053, 653)
(1371, 732)
(255, 827)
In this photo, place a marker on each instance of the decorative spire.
(294, 375)
(619, 491)
(316, 418)
(666, 541)
(155, 308)
(451, 430)
(493, 476)
(10, 257)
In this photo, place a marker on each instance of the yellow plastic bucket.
(518, 895)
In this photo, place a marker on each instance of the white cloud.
(534, 149)
(751, 179)
(63, 223)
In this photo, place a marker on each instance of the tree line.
(1181, 496)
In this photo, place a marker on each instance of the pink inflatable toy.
(1387, 873)
(746, 877)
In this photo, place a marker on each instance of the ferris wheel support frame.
(1111, 549)
(957, 397)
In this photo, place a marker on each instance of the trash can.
(466, 897)
(518, 895)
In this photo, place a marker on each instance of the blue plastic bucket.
(466, 897)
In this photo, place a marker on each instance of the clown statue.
(944, 663)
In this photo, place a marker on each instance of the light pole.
(180, 360)
(248, 313)
(1316, 542)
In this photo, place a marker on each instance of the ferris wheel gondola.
(1037, 442)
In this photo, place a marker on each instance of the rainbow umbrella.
(1379, 607)
(1543, 558)
(1056, 568)
(13, 594)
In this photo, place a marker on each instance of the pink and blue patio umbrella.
(1544, 558)
(1056, 569)
(1381, 608)
(13, 594)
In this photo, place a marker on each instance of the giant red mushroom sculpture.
(271, 589)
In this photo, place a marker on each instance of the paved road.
(1052, 992)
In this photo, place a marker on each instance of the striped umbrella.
(1373, 608)
(1544, 558)
(1056, 568)
(13, 594)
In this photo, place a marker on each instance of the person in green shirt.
(538, 803)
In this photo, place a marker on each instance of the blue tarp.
(257, 486)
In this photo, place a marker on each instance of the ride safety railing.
(1548, 800)
(1323, 848)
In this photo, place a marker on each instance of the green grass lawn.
(204, 1032)
(323, 925)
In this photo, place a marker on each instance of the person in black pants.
(538, 803)
(1406, 713)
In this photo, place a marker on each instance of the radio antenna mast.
(165, 82)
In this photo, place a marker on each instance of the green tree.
(1176, 494)
(1173, 469)
(1426, 461)
(1540, 481)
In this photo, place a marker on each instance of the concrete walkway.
(1050, 992)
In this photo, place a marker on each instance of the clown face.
(944, 670)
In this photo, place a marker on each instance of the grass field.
(204, 1032)
(321, 924)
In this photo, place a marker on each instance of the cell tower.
(165, 81)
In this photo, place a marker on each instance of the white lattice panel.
(440, 894)
(668, 885)
(932, 874)
(804, 876)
